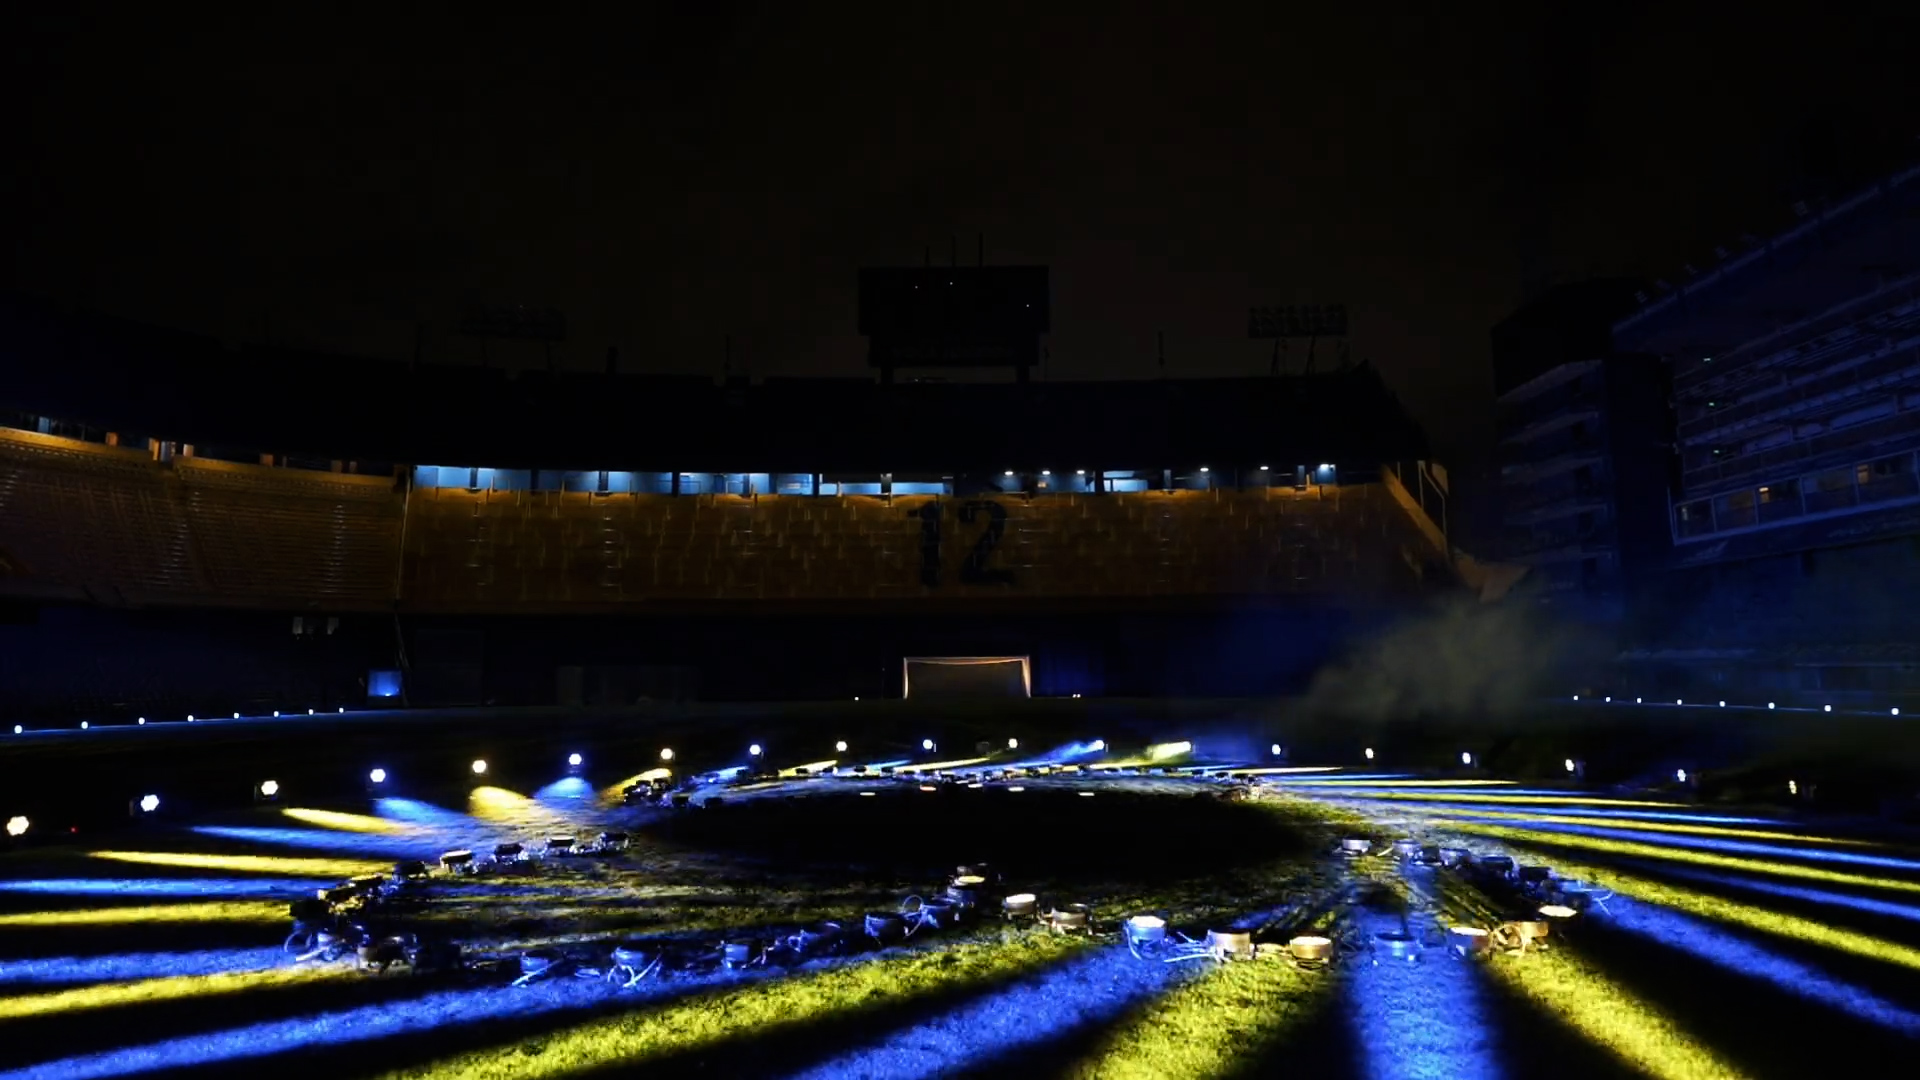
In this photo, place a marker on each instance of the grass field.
(1734, 943)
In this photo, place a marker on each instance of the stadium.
(934, 729)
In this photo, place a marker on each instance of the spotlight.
(1369, 753)
(342, 710)
(1466, 758)
(17, 826)
(1576, 697)
(840, 747)
(666, 753)
(575, 760)
(1276, 750)
(1680, 775)
(276, 714)
(309, 712)
(1097, 745)
(479, 767)
(1203, 468)
(1793, 787)
(189, 718)
(926, 744)
(1826, 708)
(1608, 699)
(1638, 701)
(1723, 704)
(17, 729)
(236, 716)
(1570, 765)
(1769, 704)
(1263, 468)
(83, 725)
(1013, 744)
(754, 750)
(143, 721)
(1678, 702)
(269, 788)
(377, 776)
(1046, 472)
(149, 803)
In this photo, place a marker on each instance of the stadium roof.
(158, 383)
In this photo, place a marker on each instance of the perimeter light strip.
(1698, 858)
(247, 864)
(764, 1009)
(274, 911)
(333, 819)
(172, 988)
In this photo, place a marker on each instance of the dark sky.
(673, 177)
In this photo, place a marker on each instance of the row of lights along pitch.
(1608, 700)
(85, 725)
(1203, 468)
(17, 826)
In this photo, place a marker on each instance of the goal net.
(950, 677)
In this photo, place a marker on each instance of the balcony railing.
(1876, 482)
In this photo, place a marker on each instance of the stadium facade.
(1793, 517)
(188, 525)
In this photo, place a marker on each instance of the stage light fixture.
(1046, 472)
(840, 747)
(1466, 757)
(189, 718)
(1079, 472)
(1013, 744)
(479, 767)
(1793, 787)
(926, 744)
(1369, 753)
(1276, 750)
(1826, 708)
(1639, 701)
(143, 721)
(276, 714)
(377, 776)
(1678, 702)
(83, 725)
(754, 750)
(1680, 775)
(1097, 745)
(269, 788)
(666, 753)
(17, 826)
(1263, 468)
(1203, 468)
(309, 712)
(1570, 766)
(1576, 697)
(1769, 704)
(236, 716)
(1009, 472)
(1723, 704)
(575, 760)
(342, 710)
(149, 803)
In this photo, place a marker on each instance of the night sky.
(667, 180)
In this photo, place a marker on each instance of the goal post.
(950, 677)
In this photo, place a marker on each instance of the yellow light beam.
(1334, 781)
(1208, 1026)
(1698, 858)
(1764, 920)
(225, 911)
(1668, 827)
(935, 766)
(763, 1008)
(1608, 1014)
(248, 864)
(1515, 800)
(172, 988)
(501, 806)
(339, 822)
(809, 768)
